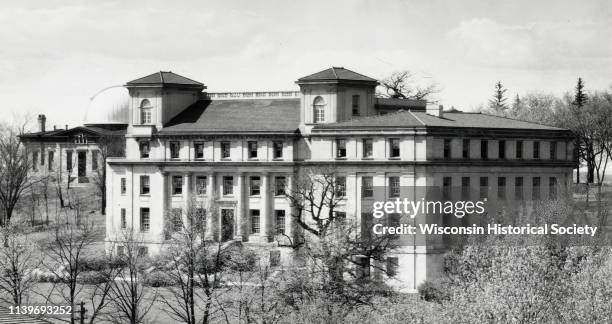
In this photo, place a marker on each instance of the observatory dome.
(109, 106)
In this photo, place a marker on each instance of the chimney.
(42, 122)
(54, 127)
(66, 126)
(434, 110)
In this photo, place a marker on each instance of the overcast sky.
(54, 55)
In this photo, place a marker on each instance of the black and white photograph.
(339, 161)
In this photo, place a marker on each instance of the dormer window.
(318, 110)
(145, 112)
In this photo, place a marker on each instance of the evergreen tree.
(498, 103)
(580, 97)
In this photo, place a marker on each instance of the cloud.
(544, 45)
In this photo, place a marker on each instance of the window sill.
(252, 159)
(254, 196)
(340, 158)
(226, 159)
(367, 158)
(278, 159)
(145, 195)
(395, 158)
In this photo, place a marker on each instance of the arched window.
(318, 111)
(145, 112)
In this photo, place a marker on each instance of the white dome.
(110, 106)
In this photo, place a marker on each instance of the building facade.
(236, 152)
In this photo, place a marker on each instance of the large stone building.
(242, 149)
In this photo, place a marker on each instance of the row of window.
(201, 183)
(367, 144)
(519, 183)
(177, 220)
(69, 160)
(484, 149)
(198, 146)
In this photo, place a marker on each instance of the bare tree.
(401, 85)
(109, 146)
(17, 261)
(195, 264)
(15, 168)
(131, 300)
(66, 252)
(340, 251)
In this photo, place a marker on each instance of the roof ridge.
(521, 120)
(417, 118)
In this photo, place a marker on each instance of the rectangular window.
(123, 186)
(145, 149)
(340, 186)
(198, 147)
(145, 116)
(255, 226)
(278, 150)
(484, 149)
(340, 148)
(394, 187)
(553, 150)
(175, 148)
(518, 188)
(519, 149)
(367, 148)
(200, 219)
(50, 160)
(143, 251)
(552, 188)
(252, 149)
(255, 186)
(447, 148)
(501, 148)
(177, 185)
(536, 150)
(94, 160)
(228, 185)
(466, 149)
(68, 161)
(394, 148)
(201, 182)
(145, 219)
(501, 188)
(35, 160)
(280, 222)
(447, 183)
(392, 266)
(465, 188)
(367, 188)
(484, 187)
(225, 150)
(355, 105)
(177, 219)
(123, 218)
(145, 187)
(120, 250)
(279, 186)
(535, 191)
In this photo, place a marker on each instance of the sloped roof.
(400, 103)
(255, 115)
(100, 130)
(411, 119)
(335, 74)
(165, 78)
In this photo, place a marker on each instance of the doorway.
(82, 164)
(227, 224)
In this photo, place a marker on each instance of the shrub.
(432, 291)
(91, 278)
(93, 264)
(159, 279)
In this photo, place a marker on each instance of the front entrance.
(81, 165)
(227, 224)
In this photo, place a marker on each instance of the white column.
(187, 194)
(265, 215)
(240, 202)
